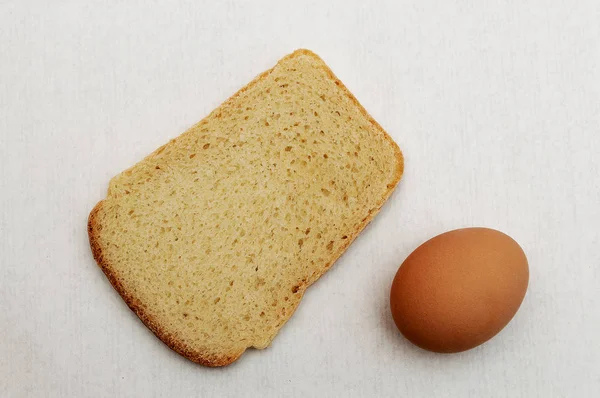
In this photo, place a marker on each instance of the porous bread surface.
(213, 238)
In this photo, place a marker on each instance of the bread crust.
(208, 358)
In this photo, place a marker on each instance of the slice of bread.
(213, 239)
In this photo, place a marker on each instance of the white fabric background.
(496, 105)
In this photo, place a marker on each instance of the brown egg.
(459, 289)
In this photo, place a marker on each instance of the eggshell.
(459, 289)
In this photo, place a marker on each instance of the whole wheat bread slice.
(213, 238)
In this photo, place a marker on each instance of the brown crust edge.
(136, 307)
(212, 360)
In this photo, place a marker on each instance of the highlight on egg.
(459, 289)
